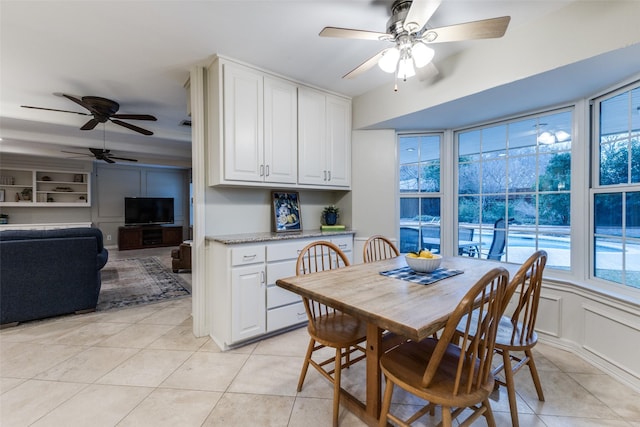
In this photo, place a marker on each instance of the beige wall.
(373, 186)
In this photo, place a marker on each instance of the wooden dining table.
(410, 310)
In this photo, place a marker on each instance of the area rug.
(134, 281)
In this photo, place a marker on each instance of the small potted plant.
(330, 215)
(26, 194)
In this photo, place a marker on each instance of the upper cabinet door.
(338, 141)
(324, 139)
(243, 123)
(312, 164)
(280, 131)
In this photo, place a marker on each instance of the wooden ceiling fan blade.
(132, 127)
(134, 117)
(419, 13)
(365, 66)
(91, 124)
(78, 101)
(350, 33)
(483, 29)
(123, 158)
(54, 109)
(74, 152)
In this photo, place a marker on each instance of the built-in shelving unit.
(28, 187)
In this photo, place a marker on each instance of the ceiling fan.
(102, 110)
(102, 154)
(407, 30)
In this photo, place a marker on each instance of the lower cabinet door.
(248, 294)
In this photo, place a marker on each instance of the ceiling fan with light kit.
(407, 30)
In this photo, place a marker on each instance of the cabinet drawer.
(276, 297)
(286, 250)
(282, 317)
(344, 243)
(278, 270)
(243, 255)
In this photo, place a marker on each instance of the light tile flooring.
(143, 367)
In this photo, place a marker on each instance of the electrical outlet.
(108, 236)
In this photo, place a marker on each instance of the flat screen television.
(148, 210)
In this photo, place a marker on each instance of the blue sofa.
(46, 273)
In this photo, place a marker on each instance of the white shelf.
(42, 190)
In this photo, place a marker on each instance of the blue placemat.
(406, 273)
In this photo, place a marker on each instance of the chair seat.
(338, 330)
(406, 364)
(509, 336)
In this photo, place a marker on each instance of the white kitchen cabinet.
(324, 139)
(257, 142)
(246, 302)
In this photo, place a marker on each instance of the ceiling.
(139, 54)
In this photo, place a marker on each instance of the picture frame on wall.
(286, 211)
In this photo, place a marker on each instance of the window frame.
(418, 194)
(596, 188)
(537, 227)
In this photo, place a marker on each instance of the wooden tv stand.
(149, 236)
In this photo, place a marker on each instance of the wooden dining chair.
(453, 375)
(377, 248)
(329, 327)
(516, 333)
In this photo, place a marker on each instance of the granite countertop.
(230, 239)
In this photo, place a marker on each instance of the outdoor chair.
(496, 251)
(409, 239)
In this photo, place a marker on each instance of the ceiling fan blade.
(483, 29)
(74, 152)
(419, 13)
(366, 65)
(123, 158)
(134, 117)
(132, 127)
(53, 109)
(107, 159)
(91, 124)
(349, 33)
(78, 101)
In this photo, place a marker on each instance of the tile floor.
(142, 366)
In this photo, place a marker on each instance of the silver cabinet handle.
(267, 170)
(343, 246)
(329, 176)
(325, 175)
(248, 257)
(261, 170)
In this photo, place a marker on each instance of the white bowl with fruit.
(423, 261)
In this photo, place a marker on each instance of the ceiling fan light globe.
(405, 68)
(422, 54)
(389, 60)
